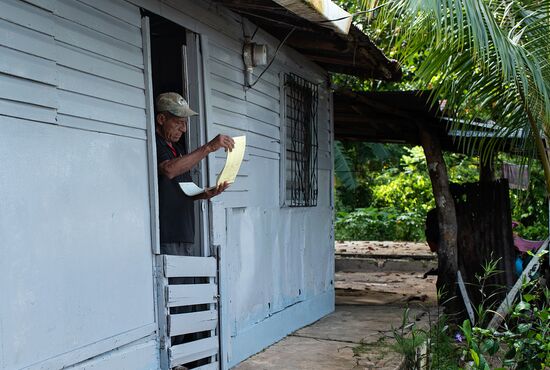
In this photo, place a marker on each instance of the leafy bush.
(522, 342)
(379, 224)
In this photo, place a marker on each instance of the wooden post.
(486, 169)
(447, 254)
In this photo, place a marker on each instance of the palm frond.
(342, 168)
(488, 59)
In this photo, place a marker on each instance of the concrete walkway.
(358, 335)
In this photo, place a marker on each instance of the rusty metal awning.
(395, 116)
(354, 54)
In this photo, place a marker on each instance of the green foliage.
(530, 207)
(432, 346)
(523, 341)
(379, 224)
(488, 60)
(393, 196)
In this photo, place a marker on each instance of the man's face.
(171, 127)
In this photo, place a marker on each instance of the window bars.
(301, 103)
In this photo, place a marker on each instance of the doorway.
(187, 286)
(175, 57)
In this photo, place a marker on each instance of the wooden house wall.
(276, 262)
(75, 193)
(75, 239)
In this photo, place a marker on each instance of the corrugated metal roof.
(395, 116)
(352, 53)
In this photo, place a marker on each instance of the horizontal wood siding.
(192, 351)
(75, 217)
(72, 59)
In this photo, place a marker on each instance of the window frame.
(313, 169)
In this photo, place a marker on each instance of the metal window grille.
(301, 103)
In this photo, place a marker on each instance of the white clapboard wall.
(75, 209)
(276, 262)
(76, 288)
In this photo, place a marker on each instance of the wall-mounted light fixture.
(253, 55)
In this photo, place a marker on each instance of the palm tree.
(486, 59)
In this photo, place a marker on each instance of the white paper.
(230, 170)
(233, 161)
(190, 189)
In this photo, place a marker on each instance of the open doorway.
(172, 50)
(187, 297)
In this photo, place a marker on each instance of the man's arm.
(177, 166)
(212, 192)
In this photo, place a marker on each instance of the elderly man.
(176, 210)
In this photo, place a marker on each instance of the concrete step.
(384, 264)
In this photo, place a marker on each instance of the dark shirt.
(176, 210)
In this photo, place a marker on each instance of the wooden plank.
(227, 118)
(261, 114)
(263, 100)
(216, 17)
(193, 322)
(227, 102)
(140, 355)
(99, 87)
(187, 352)
(83, 353)
(227, 130)
(185, 266)
(220, 68)
(230, 57)
(190, 294)
(27, 40)
(233, 199)
(97, 65)
(262, 142)
(98, 21)
(267, 88)
(97, 126)
(213, 366)
(28, 16)
(26, 112)
(27, 66)
(232, 73)
(465, 298)
(26, 91)
(258, 152)
(237, 121)
(117, 8)
(82, 37)
(100, 110)
(228, 87)
(152, 160)
(44, 4)
(524, 278)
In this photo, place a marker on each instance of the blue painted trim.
(263, 334)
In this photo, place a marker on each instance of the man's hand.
(210, 193)
(221, 141)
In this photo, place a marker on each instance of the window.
(301, 99)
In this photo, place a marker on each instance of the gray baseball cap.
(174, 103)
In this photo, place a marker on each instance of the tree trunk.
(487, 169)
(447, 254)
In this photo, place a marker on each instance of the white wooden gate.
(191, 308)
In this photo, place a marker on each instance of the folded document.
(229, 173)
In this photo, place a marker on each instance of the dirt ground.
(389, 280)
(376, 248)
